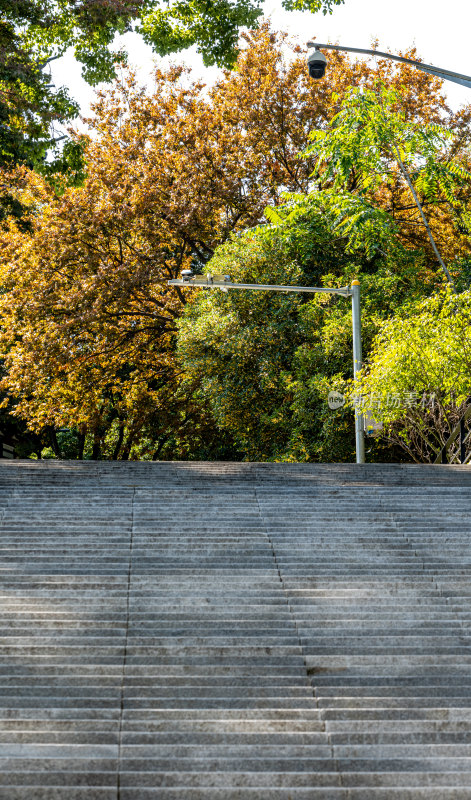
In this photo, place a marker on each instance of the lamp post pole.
(357, 364)
(224, 283)
(444, 74)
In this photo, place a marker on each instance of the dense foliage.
(34, 32)
(182, 178)
(28, 103)
(268, 361)
(419, 374)
(403, 165)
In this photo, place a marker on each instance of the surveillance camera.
(316, 62)
(187, 274)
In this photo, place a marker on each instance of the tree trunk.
(119, 442)
(127, 447)
(408, 180)
(81, 445)
(156, 453)
(55, 443)
(96, 447)
(38, 445)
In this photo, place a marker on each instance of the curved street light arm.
(455, 77)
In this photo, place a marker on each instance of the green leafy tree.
(418, 376)
(34, 32)
(372, 150)
(267, 361)
(29, 105)
(89, 26)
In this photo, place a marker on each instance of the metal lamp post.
(224, 283)
(357, 364)
(445, 74)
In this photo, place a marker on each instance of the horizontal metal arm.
(455, 77)
(199, 283)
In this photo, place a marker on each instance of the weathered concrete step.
(184, 688)
(289, 780)
(47, 691)
(216, 693)
(397, 627)
(144, 633)
(58, 701)
(395, 663)
(58, 778)
(252, 752)
(228, 701)
(398, 692)
(250, 780)
(454, 754)
(261, 670)
(172, 779)
(408, 734)
(60, 764)
(357, 725)
(406, 637)
(76, 793)
(140, 601)
(201, 738)
(431, 648)
(139, 642)
(222, 764)
(379, 684)
(364, 615)
(87, 737)
(150, 660)
(40, 792)
(241, 780)
(243, 724)
(398, 701)
(406, 712)
(292, 793)
(303, 592)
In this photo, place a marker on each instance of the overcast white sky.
(440, 31)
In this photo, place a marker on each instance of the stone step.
(234, 631)
(41, 792)
(289, 780)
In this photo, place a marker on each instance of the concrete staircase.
(234, 631)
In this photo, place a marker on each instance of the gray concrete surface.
(234, 631)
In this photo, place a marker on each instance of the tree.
(88, 321)
(267, 361)
(372, 150)
(28, 104)
(34, 32)
(89, 26)
(418, 376)
(30, 107)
